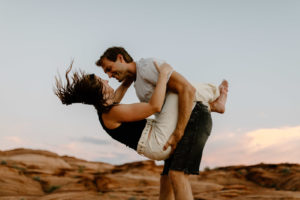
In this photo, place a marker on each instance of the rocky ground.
(41, 175)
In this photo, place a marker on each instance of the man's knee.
(176, 175)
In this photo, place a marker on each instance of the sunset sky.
(255, 45)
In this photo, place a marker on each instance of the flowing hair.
(83, 88)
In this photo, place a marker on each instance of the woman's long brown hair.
(82, 88)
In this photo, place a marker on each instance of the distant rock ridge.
(42, 175)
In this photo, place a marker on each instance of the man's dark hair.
(112, 53)
(84, 88)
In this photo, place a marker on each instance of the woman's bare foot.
(219, 104)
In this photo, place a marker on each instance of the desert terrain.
(27, 174)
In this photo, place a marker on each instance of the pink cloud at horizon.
(276, 145)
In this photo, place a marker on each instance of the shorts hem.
(186, 171)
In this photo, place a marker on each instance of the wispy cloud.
(93, 140)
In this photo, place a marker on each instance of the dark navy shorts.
(188, 153)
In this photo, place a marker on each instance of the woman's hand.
(127, 82)
(121, 90)
(164, 69)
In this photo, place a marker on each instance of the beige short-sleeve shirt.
(146, 78)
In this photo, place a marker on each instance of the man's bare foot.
(219, 104)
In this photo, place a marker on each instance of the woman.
(126, 123)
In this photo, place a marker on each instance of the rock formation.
(41, 175)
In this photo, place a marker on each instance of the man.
(117, 63)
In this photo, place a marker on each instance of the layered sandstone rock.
(41, 175)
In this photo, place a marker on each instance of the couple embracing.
(182, 122)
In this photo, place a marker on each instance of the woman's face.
(108, 92)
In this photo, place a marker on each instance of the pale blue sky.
(254, 44)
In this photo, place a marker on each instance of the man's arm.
(121, 90)
(186, 94)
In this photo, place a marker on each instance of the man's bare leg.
(219, 104)
(182, 188)
(188, 184)
(166, 189)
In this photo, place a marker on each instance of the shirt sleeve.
(149, 72)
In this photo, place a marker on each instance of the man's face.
(117, 69)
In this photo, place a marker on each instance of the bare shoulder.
(109, 120)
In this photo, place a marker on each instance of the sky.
(255, 45)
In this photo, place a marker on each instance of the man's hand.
(172, 142)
